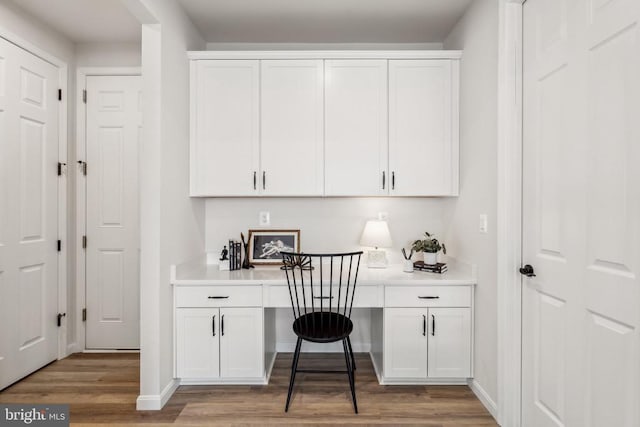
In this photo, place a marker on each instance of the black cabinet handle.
(424, 325)
(429, 297)
(213, 325)
(218, 297)
(433, 325)
(393, 180)
(264, 180)
(255, 179)
(324, 297)
(222, 325)
(384, 179)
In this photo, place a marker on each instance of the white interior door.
(28, 213)
(581, 207)
(113, 232)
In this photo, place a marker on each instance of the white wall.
(172, 224)
(108, 54)
(477, 35)
(329, 224)
(14, 22)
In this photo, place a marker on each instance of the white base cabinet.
(427, 343)
(219, 343)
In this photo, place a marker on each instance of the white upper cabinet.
(356, 127)
(291, 146)
(225, 126)
(339, 123)
(423, 127)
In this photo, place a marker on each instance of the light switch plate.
(483, 227)
(264, 219)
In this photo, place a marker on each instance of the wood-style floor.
(102, 389)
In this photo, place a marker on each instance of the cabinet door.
(423, 127)
(225, 127)
(197, 342)
(241, 349)
(291, 146)
(356, 128)
(405, 343)
(449, 342)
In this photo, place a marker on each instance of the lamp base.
(377, 259)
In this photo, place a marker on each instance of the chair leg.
(294, 369)
(353, 359)
(352, 381)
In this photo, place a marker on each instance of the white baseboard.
(310, 347)
(155, 402)
(484, 398)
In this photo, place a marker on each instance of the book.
(439, 268)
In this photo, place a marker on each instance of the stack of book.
(439, 268)
(235, 255)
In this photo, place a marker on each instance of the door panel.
(581, 209)
(449, 343)
(241, 349)
(291, 145)
(225, 148)
(112, 253)
(356, 153)
(405, 342)
(421, 128)
(29, 217)
(198, 343)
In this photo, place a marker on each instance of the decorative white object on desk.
(376, 234)
(430, 258)
(407, 267)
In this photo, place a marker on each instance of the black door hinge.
(60, 316)
(84, 314)
(84, 242)
(83, 165)
(59, 94)
(60, 165)
(84, 96)
(59, 245)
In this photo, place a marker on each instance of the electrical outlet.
(383, 216)
(264, 219)
(483, 227)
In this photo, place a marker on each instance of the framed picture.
(265, 245)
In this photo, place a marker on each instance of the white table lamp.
(376, 234)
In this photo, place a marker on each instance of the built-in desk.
(225, 323)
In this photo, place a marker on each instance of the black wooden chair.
(322, 287)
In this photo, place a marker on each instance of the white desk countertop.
(198, 272)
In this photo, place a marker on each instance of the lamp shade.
(376, 234)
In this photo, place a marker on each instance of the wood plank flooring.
(102, 389)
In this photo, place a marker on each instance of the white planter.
(430, 257)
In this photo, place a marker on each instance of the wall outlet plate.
(264, 219)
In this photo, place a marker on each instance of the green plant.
(430, 244)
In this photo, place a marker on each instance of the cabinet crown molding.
(325, 54)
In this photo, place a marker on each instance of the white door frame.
(509, 208)
(81, 188)
(63, 181)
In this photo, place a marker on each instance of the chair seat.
(323, 327)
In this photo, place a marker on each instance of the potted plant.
(430, 246)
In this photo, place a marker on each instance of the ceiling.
(263, 21)
(324, 21)
(86, 21)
